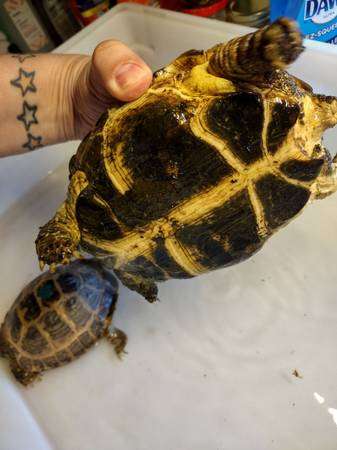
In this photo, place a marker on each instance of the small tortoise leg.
(24, 374)
(114, 335)
(59, 238)
(25, 377)
(118, 339)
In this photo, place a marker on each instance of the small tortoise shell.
(57, 317)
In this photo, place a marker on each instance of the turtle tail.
(249, 57)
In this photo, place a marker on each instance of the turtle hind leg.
(144, 286)
(114, 335)
(251, 56)
(118, 339)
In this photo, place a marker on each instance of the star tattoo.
(33, 142)
(22, 58)
(25, 82)
(28, 116)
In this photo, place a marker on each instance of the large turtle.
(222, 150)
(57, 317)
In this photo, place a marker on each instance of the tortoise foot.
(56, 244)
(118, 339)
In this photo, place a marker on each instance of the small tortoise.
(57, 317)
(223, 150)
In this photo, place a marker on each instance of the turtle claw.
(57, 241)
(54, 249)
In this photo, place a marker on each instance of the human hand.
(48, 98)
(113, 72)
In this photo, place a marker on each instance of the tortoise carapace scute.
(222, 150)
(59, 316)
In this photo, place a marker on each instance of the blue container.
(317, 18)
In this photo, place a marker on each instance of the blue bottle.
(317, 19)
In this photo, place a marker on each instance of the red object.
(203, 11)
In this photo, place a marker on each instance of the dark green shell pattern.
(58, 316)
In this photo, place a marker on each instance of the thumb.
(118, 72)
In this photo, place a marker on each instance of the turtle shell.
(223, 150)
(179, 184)
(57, 317)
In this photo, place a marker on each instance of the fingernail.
(128, 74)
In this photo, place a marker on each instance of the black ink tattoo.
(33, 142)
(25, 82)
(28, 116)
(22, 58)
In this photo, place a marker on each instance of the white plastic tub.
(210, 366)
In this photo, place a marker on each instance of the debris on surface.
(296, 374)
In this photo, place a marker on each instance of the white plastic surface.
(210, 366)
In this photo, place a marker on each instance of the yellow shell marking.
(143, 242)
(201, 81)
(182, 256)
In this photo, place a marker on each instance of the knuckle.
(107, 45)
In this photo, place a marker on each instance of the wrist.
(70, 96)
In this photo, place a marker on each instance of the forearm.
(36, 100)
(45, 99)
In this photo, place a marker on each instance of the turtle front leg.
(25, 377)
(24, 373)
(58, 239)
